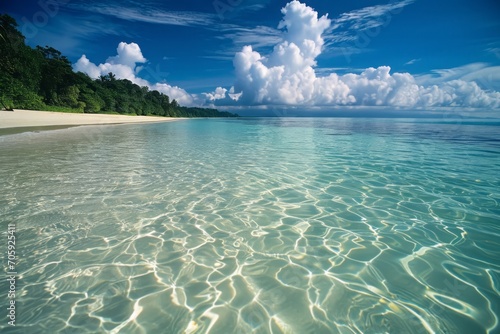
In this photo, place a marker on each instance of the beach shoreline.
(21, 120)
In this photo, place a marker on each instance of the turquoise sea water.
(281, 225)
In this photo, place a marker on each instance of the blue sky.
(442, 54)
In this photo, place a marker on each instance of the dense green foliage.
(43, 78)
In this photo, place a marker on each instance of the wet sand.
(26, 120)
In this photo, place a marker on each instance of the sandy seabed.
(34, 118)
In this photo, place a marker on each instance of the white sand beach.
(33, 118)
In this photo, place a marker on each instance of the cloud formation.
(142, 12)
(369, 17)
(486, 76)
(287, 76)
(124, 66)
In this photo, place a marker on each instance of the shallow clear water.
(256, 225)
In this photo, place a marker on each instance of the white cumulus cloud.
(288, 76)
(124, 66)
(128, 54)
(218, 94)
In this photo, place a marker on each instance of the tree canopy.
(42, 78)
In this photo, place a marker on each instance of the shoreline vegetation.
(43, 79)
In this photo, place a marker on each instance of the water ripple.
(214, 230)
